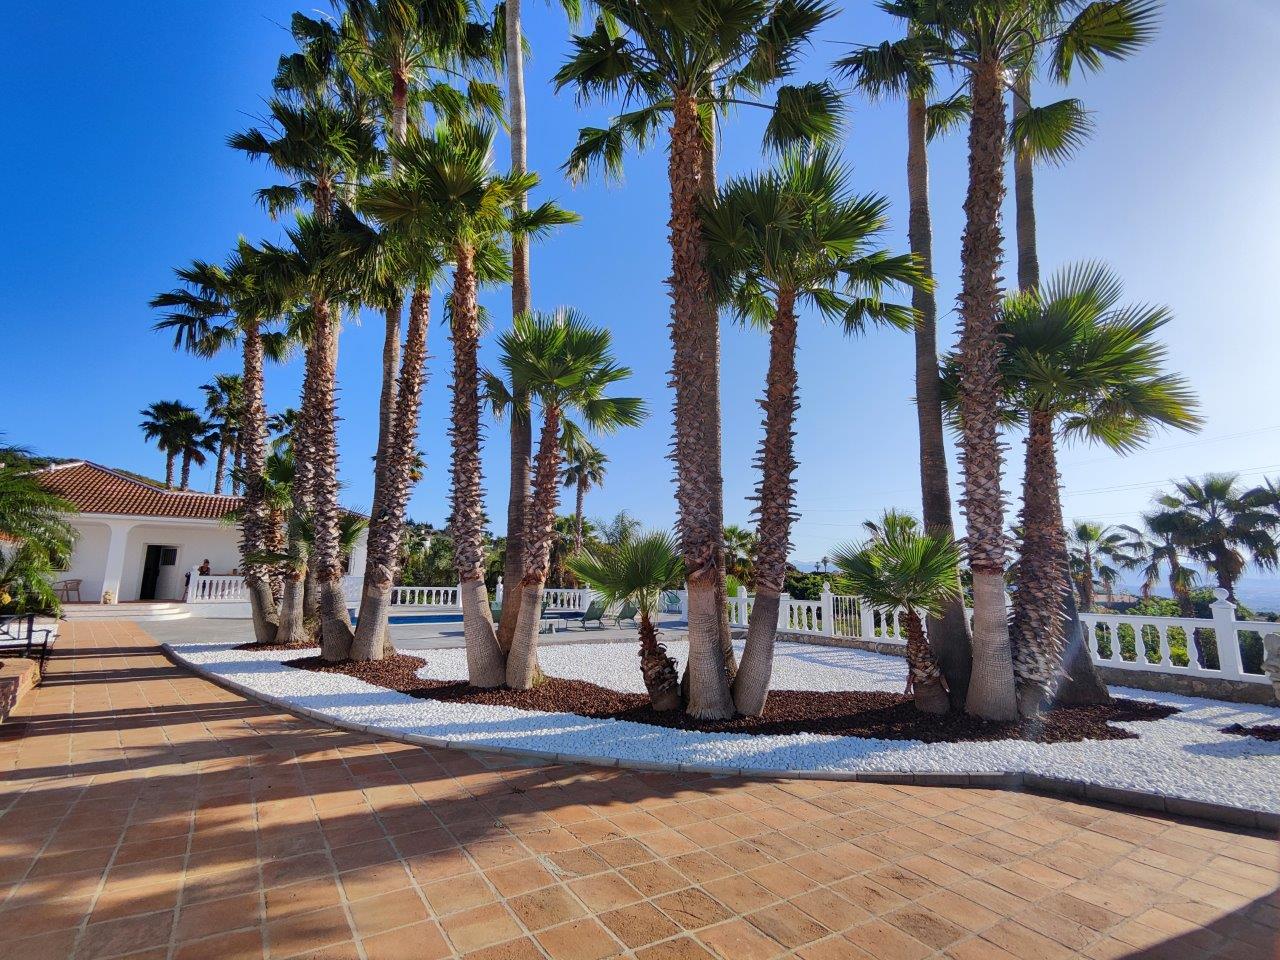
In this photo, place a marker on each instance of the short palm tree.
(195, 437)
(917, 572)
(28, 512)
(795, 236)
(222, 401)
(215, 307)
(585, 467)
(446, 185)
(566, 366)
(162, 423)
(739, 552)
(681, 64)
(637, 571)
(1222, 525)
(1080, 365)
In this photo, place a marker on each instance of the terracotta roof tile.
(97, 489)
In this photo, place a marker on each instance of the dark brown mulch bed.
(301, 645)
(1263, 731)
(856, 713)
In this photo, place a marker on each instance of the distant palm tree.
(904, 568)
(637, 571)
(195, 436)
(1153, 548)
(1097, 552)
(1222, 525)
(164, 423)
(223, 400)
(739, 552)
(566, 365)
(795, 236)
(585, 467)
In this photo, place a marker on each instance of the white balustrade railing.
(220, 589)
(445, 597)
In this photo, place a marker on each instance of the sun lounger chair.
(595, 611)
(628, 612)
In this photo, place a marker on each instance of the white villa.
(141, 542)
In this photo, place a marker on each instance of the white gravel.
(1182, 756)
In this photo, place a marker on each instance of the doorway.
(158, 557)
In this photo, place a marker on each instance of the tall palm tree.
(988, 40)
(1153, 548)
(1096, 552)
(637, 571)
(215, 307)
(1078, 364)
(1222, 525)
(585, 467)
(196, 436)
(565, 365)
(448, 182)
(162, 423)
(791, 237)
(519, 430)
(222, 401)
(902, 567)
(901, 68)
(683, 63)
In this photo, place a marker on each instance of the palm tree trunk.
(186, 470)
(774, 510)
(926, 683)
(522, 661)
(1036, 631)
(237, 458)
(695, 375)
(335, 625)
(224, 444)
(485, 666)
(1024, 194)
(169, 460)
(577, 514)
(382, 561)
(255, 533)
(991, 691)
(1086, 581)
(659, 670)
(949, 633)
(520, 428)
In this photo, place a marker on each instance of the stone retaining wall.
(17, 676)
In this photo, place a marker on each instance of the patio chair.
(595, 611)
(20, 637)
(628, 612)
(65, 588)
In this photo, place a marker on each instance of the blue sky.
(116, 171)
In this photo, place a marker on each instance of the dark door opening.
(158, 556)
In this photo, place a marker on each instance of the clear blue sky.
(116, 171)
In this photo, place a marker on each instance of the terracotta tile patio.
(147, 813)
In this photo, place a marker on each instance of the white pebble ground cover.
(1182, 756)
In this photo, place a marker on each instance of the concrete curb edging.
(1008, 780)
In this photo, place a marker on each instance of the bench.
(20, 637)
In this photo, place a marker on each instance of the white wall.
(88, 559)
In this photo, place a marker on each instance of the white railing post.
(784, 611)
(740, 606)
(866, 620)
(193, 586)
(497, 592)
(828, 611)
(1224, 631)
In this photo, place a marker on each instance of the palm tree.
(683, 63)
(162, 422)
(1096, 552)
(222, 401)
(988, 40)
(215, 307)
(904, 568)
(28, 512)
(1221, 525)
(1152, 548)
(195, 436)
(901, 68)
(585, 468)
(566, 365)
(1078, 364)
(447, 184)
(794, 236)
(637, 571)
(739, 553)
